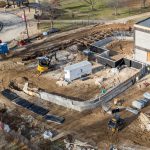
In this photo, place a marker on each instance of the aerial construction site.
(86, 88)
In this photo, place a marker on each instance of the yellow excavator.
(44, 63)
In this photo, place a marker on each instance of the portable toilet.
(3, 48)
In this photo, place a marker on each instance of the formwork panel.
(9, 94)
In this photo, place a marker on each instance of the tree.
(53, 10)
(114, 4)
(91, 3)
(55, 3)
(143, 3)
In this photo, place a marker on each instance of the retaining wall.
(89, 104)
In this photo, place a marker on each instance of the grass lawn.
(81, 10)
(62, 26)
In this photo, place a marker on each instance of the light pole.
(25, 20)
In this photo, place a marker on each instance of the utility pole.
(25, 20)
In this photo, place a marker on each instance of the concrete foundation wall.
(103, 42)
(108, 40)
(105, 61)
(89, 104)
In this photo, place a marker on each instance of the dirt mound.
(21, 80)
(18, 83)
(123, 47)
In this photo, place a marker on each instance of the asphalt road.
(12, 26)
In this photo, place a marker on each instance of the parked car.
(53, 30)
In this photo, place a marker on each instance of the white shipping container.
(76, 71)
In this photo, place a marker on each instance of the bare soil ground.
(10, 70)
(90, 126)
(78, 89)
(7, 142)
(123, 47)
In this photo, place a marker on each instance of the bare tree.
(143, 3)
(55, 3)
(91, 3)
(115, 5)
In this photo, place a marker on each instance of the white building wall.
(140, 55)
(142, 39)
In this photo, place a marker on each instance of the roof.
(144, 23)
(77, 65)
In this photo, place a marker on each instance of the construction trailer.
(77, 70)
(142, 41)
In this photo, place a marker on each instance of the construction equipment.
(116, 123)
(45, 62)
(118, 102)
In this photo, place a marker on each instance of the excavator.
(44, 63)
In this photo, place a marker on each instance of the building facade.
(142, 41)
